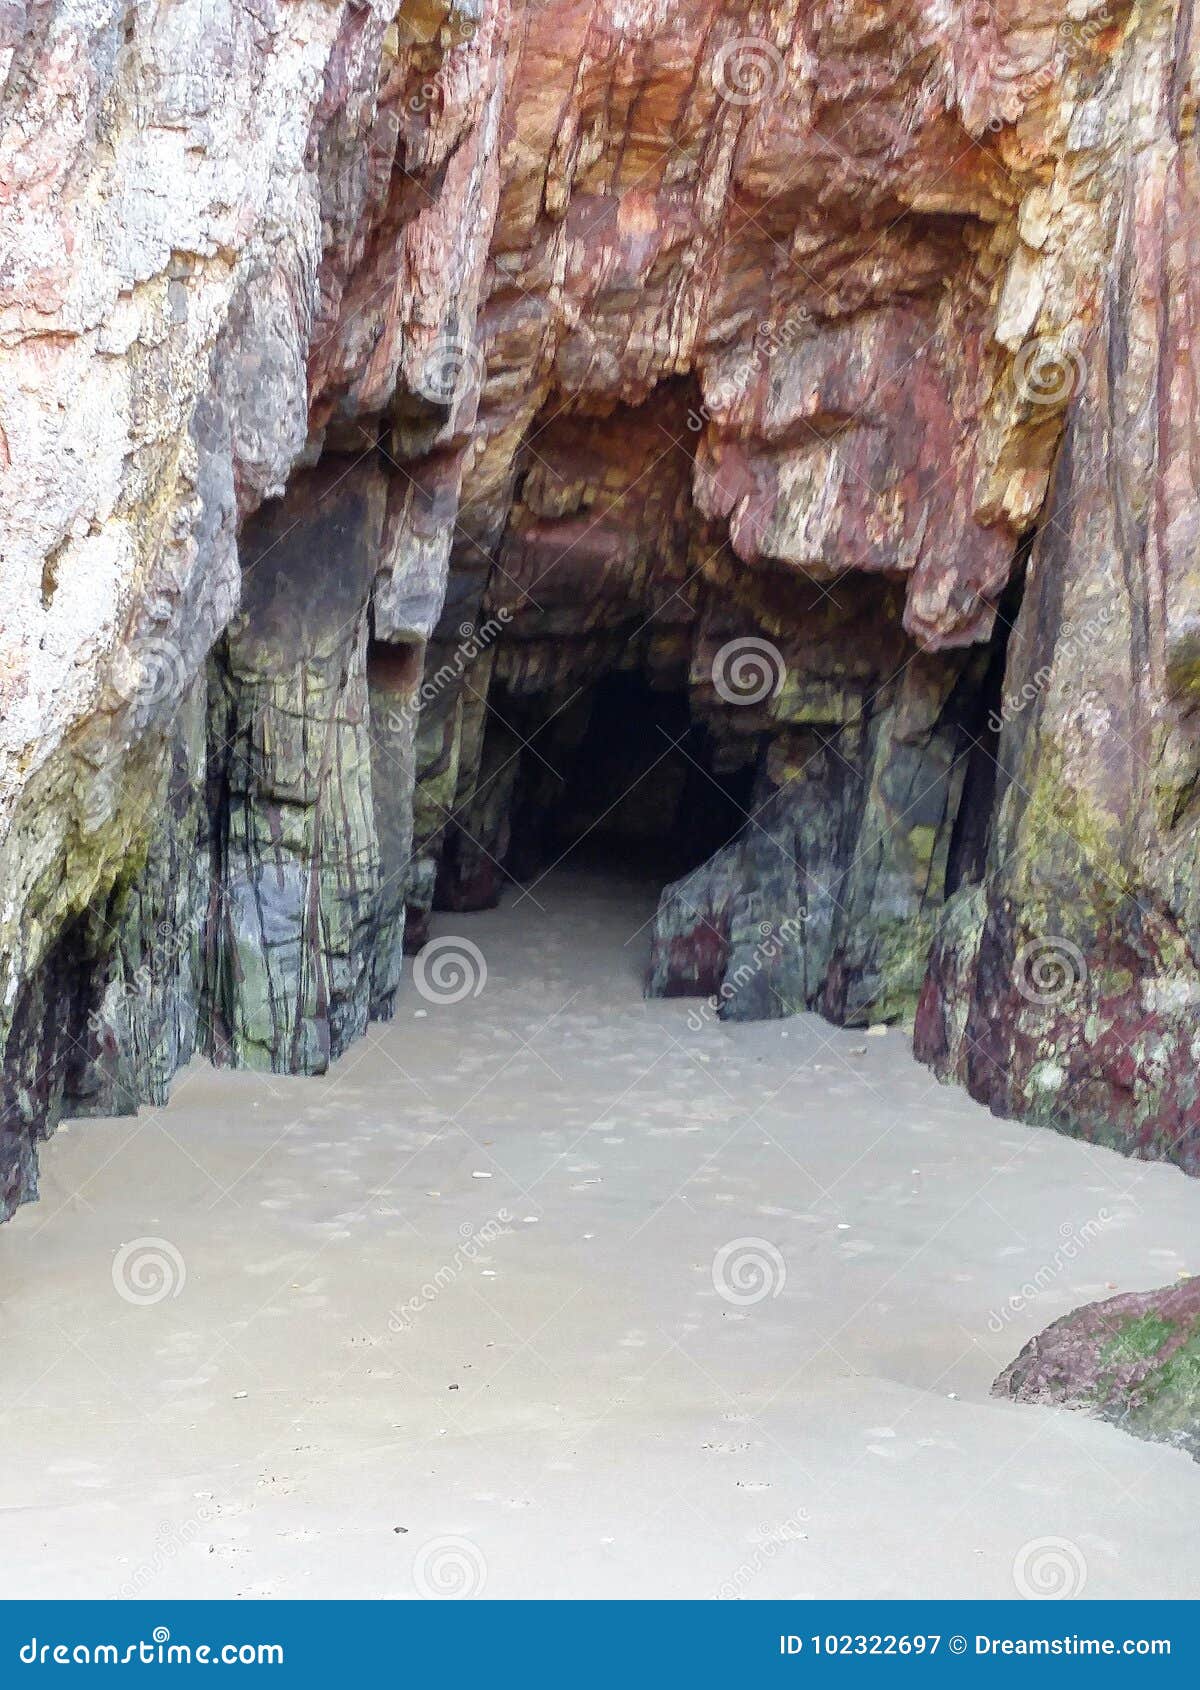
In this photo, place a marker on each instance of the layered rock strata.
(1064, 989)
(401, 404)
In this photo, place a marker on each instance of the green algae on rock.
(1133, 1360)
(486, 315)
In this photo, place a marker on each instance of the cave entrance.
(618, 775)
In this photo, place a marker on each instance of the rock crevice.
(400, 404)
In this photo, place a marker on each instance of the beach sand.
(721, 1319)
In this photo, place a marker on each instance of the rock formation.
(1134, 1360)
(434, 434)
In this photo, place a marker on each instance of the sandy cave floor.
(572, 1407)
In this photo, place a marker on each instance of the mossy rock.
(1134, 1360)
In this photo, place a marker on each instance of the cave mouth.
(618, 776)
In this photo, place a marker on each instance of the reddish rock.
(1134, 1360)
(750, 358)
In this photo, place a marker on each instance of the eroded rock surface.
(1134, 1360)
(1066, 991)
(435, 434)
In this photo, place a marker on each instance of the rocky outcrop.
(228, 238)
(1134, 1360)
(292, 944)
(435, 434)
(1066, 990)
(851, 846)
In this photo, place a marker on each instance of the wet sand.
(721, 1319)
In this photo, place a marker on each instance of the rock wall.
(391, 393)
(1065, 989)
(228, 237)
